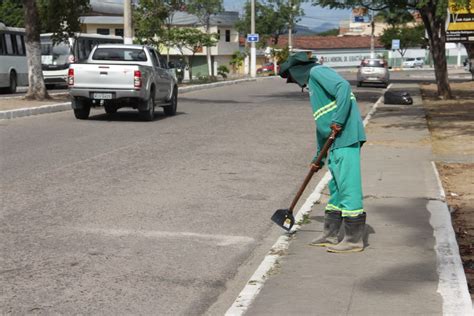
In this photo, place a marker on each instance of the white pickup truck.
(116, 76)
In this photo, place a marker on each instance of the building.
(336, 51)
(222, 23)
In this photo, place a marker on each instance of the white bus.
(13, 62)
(56, 58)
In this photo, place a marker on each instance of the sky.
(314, 15)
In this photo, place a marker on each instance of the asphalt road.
(117, 216)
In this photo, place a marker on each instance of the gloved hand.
(315, 167)
(336, 128)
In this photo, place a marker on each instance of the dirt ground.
(20, 102)
(451, 124)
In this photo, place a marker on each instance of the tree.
(172, 6)
(408, 36)
(394, 17)
(237, 60)
(11, 13)
(148, 20)
(192, 40)
(61, 17)
(36, 86)
(204, 9)
(272, 19)
(433, 14)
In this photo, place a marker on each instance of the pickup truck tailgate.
(104, 76)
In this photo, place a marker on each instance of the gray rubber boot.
(354, 229)
(332, 224)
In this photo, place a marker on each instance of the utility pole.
(372, 37)
(253, 49)
(290, 27)
(127, 22)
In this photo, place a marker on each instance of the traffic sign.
(252, 38)
(395, 44)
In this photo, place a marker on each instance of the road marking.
(221, 240)
(257, 280)
(452, 284)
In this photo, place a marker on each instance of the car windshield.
(54, 54)
(410, 59)
(119, 54)
(373, 63)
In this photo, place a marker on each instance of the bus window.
(14, 45)
(20, 45)
(2, 45)
(9, 44)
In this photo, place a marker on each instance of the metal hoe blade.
(284, 218)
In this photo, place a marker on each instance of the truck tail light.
(70, 77)
(137, 79)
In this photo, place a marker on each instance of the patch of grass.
(304, 220)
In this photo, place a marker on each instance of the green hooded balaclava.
(296, 68)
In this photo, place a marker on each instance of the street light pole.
(372, 35)
(290, 27)
(253, 49)
(127, 22)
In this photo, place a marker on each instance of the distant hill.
(304, 30)
(325, 27)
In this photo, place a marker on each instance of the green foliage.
(11, 13)
(203, 9)
(57, 16)
(203, 79)
(281, 55)
(237, 60)
(61, 17)
(222, 70)
(191, 39)
(272, 18)
(148, 20)
(395, 16)
(331, 32)
(408, 36)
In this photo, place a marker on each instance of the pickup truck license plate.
(102, 96)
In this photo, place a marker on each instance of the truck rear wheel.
(82, 108)
(149, 114)
(170, 110)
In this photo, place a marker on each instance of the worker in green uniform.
(335, 110)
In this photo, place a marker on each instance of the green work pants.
(345, 186)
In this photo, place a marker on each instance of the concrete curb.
(452, 285)
(48, 108)
(65, 106)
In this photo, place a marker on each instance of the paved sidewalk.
(411, 265)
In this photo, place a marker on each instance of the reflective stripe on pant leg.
(345, 168)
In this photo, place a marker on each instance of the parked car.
(373, 71)
(268, 68)
(118, 75)
(416, 62)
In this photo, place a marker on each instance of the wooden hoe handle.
(321, 155)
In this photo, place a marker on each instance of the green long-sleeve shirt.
(333, 102)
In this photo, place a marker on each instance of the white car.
(413, 62)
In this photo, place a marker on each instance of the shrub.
(222, 70)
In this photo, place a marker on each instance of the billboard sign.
(460, 22)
